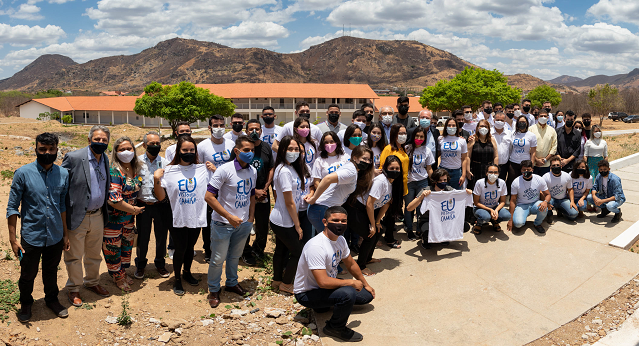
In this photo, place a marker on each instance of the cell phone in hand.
(20, 255)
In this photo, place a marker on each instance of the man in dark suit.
(427, 121)
(89, 181)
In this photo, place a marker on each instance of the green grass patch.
(9, 298)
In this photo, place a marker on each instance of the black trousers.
(29, 270)
(206, 233)
(389, 222)
(184, 240)
(359, 223)
(288, 248)
(260, 226)
(160, 215)
(503, 171)
(514, 171)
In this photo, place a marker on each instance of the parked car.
(617, 116)
(442, 120)
(631, 119)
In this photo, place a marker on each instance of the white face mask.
(492, 177)
(291, 156)
(126, 156)
(360, 125)
(597, 134)
(499, 125)
(387, 119)
(542, 120)
(517, 113)
(451, 130)
(401, 139)
(468, 116)
(217, 132)
(483, 131)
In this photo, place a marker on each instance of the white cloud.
(246, 34)
(603, 38)
(616, 11)
(29, 35)
(25, 11)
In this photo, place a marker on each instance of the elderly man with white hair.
(386, 119)
(428, 122)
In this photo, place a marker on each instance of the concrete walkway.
(496, 288)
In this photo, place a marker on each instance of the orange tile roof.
(90, 103)
(290, 90)
(414, 104)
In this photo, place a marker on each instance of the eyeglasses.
(386, 113)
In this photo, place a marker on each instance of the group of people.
(337, 187)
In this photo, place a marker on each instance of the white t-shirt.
(528, 191)
(303, 205)
(269, 135)
(337, 194)
(186, 188)
(580, 185)
(310, 154)
(522, 142)
(470, 127)
(557, 185)
(218, 154)
(285, 179)
(325, 166)
(235, 188)
(452, 149)
(232, 136)
(287, 130)
(447, 209)
(170, 153)
(380, 190)
(504, 144)
(422, 157)
(595, 148)
(377, 152)
(489, 195)
(319, 253)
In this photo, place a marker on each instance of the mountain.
(527, 83)
(44, 67)
(630, 79)
(565, 79)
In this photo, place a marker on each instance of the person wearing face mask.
(509, 123)
(403, 105)
(316, 283)
(562, 195)
(607, 192)
(359, 119)
(560, 119)
(587, 121)
(581, 185)
(377, 142)
(469, 124)
(182, 128)
(369, 111)
(386, 119)
(39, 189)
(87, 213)
(428, 123)
(454, 154)
(420, 166)
(156, 213)
(547, 107)
(482, 151)
(526, 108)
(332, 123)
(489, 197)
(460, 117)
(183, 183)
(504, 140)
(486, 113)
(524, 199)
(290, 178)
(269, 130)
(568, 143)
(237, 124)
(524, 147)
(546, 143)
(595, 150)
(331, 157)
(398, 138)
(352, 138)
(301, 110)
(231, 194)
(579, 128)
(119, 232)
(303, 135)
(263, 163)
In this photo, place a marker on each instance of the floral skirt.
(592, 166)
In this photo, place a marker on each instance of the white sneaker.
(252, 231)
(171, 252)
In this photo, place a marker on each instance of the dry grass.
(621, 146)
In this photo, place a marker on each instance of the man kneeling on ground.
(316, 285)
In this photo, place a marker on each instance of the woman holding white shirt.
(419, 169)
(289, 181)
(524, 147)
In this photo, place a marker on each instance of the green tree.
(470, 87)
(544, 93)
(604, 99)
(181, 102)
(67, 119)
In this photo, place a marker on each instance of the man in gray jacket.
(89, 181)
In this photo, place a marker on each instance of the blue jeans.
(413, 189)
(523, 210)
(612, 206)
(483, 216)
(581, 208)
(342, 300)
(563, 206)
(455, 174)
(227, 243)
(315, 214)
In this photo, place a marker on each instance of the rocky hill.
(527, 83)
(42, 68)
(624, 80)
(565, 79)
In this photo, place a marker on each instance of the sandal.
(275, 284)
(394, 245)
(286, 288)
(129, 280)
(367, 272)
(476, 229)
(496, 227)
(122, 285)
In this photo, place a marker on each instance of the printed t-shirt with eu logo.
(218, 154)
(186, 187)
(452, 149)
(422, 157)
(380, 190)
(489, 195)
(285, 179)
(558, 185)
(234, 187)
(527, 191)
(580, 185)
(319, 253)
(522, 142)
(263, 161)
(337, 194)
(447, 210)
(310, 154)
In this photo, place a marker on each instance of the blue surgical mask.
(246, 157)
(425, 123)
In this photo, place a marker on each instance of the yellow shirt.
(401, 155)
(546, 141)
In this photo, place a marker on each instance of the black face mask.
(333, 117)
(581, 171)
(268, 120)
(460, 124)
(392, 174)
(442, 185)
(488, 110)
(555, 170)
(187, 157)
(403, 110)
(369, 117)
(305, 115)
(337, 228)
(186, 134)
(604, 174)
(362, 166)
(587, 122)
(46, 159)
(548, 110)
(527, 175)
(521, 125)
(238, 127)
(254, 135)
(510, 115)
(526, 109)
(98, 147)
(569, 123)
(153, 150)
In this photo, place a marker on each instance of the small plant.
(7, 255)
(67, 119)
(201, 291)
(125, 319)
(9, 298)
(227, 307)
(7, 174)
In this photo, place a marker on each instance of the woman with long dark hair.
(302, 134)
(482, 151)
(331, 157)
(454, 153)
(420, 168)
(377, 142)
(290, 177)
(581, 185)
(398, 138)
(352, 138)
(524, 147)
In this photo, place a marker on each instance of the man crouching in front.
(316, 285)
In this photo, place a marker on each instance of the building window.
(334, 100)
(137, 117)
(361, 101)
(321, 100)
(349, 101)
(282, 102)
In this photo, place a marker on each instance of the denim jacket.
(613, 188)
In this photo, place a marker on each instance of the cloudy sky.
(544, 38)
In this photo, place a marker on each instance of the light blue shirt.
(387, 131)
(42, 194)
(98, 181)
(148, 169)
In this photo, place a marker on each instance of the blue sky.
(544, 38)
